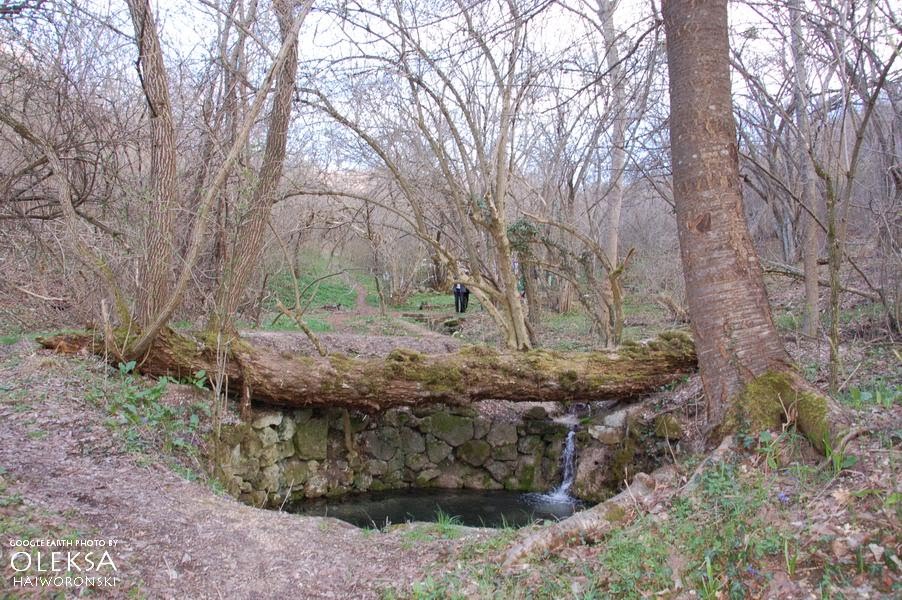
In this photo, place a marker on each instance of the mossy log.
(407, 378)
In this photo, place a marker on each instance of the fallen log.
(408, 378)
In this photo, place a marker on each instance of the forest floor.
(773, 520)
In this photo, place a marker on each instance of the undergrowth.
(144, 422)
(730, 538)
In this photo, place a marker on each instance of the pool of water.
(470, 507)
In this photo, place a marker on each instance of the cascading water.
(562, 492)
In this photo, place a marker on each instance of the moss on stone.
(668, 428)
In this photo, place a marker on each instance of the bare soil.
(66, 473)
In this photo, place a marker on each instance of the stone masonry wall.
(305, 453)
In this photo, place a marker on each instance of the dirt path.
(177, 539)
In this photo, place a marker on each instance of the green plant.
(790, 559)
(877, 394)
(838, 458)
(710, 584)
(448, 526)
(142, 419)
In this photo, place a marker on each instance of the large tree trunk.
(249, 247)
(156, 268)
(743, 364)
(407, 378)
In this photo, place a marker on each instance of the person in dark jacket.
(461, 297)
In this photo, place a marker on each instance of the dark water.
(471, 507)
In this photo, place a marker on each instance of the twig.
(287, 495)
(40, 297)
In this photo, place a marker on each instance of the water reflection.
(471, 507)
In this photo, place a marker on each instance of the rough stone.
(437, 450)
(267, 419)
(481, 427)
(362, 481)
(426, 478)
(502, 433)
(527, 474)
(616, 419)
(474, 452)
(508, 452)
(545, 428)
(310, 439)
(417, 462)
(317, 485)
(592, 477)
(303, 415)
(377, 467)
(268, 437)
(529, 444)
(295, 473)
(453, 429)
(382, 443)
(270, 477)
(500, 470)
(536, 413)
(606, 435)
(412, 442)
(451, 476)
(287, 428)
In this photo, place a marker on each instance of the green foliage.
(877, 394)
(446, 525)
(9, 340)
(139, 416)
(333, 290)
(787, 321)
(315, 324)
(521, 233)
(837, 457)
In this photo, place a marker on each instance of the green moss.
(403, 355)
(767, 401)
(667, 427)
(479, 351)
(623, 460)
(437, 378)
(568, 380)
(616, 514)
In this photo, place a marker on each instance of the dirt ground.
(176, 538)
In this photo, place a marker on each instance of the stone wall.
(326, 452)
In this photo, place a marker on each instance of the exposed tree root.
(593, 524)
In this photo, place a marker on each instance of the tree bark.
(744, 366)
(156, 268)
(811, 324)
(731, 318)
(246, 255)
(407, 378)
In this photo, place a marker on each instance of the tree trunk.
(156, 268)
(738, 347)
(250, 241)
(811, 323)
(618, 135)
(407, 378)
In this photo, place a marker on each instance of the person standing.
(461, 297)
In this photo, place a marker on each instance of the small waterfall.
(562, 492)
